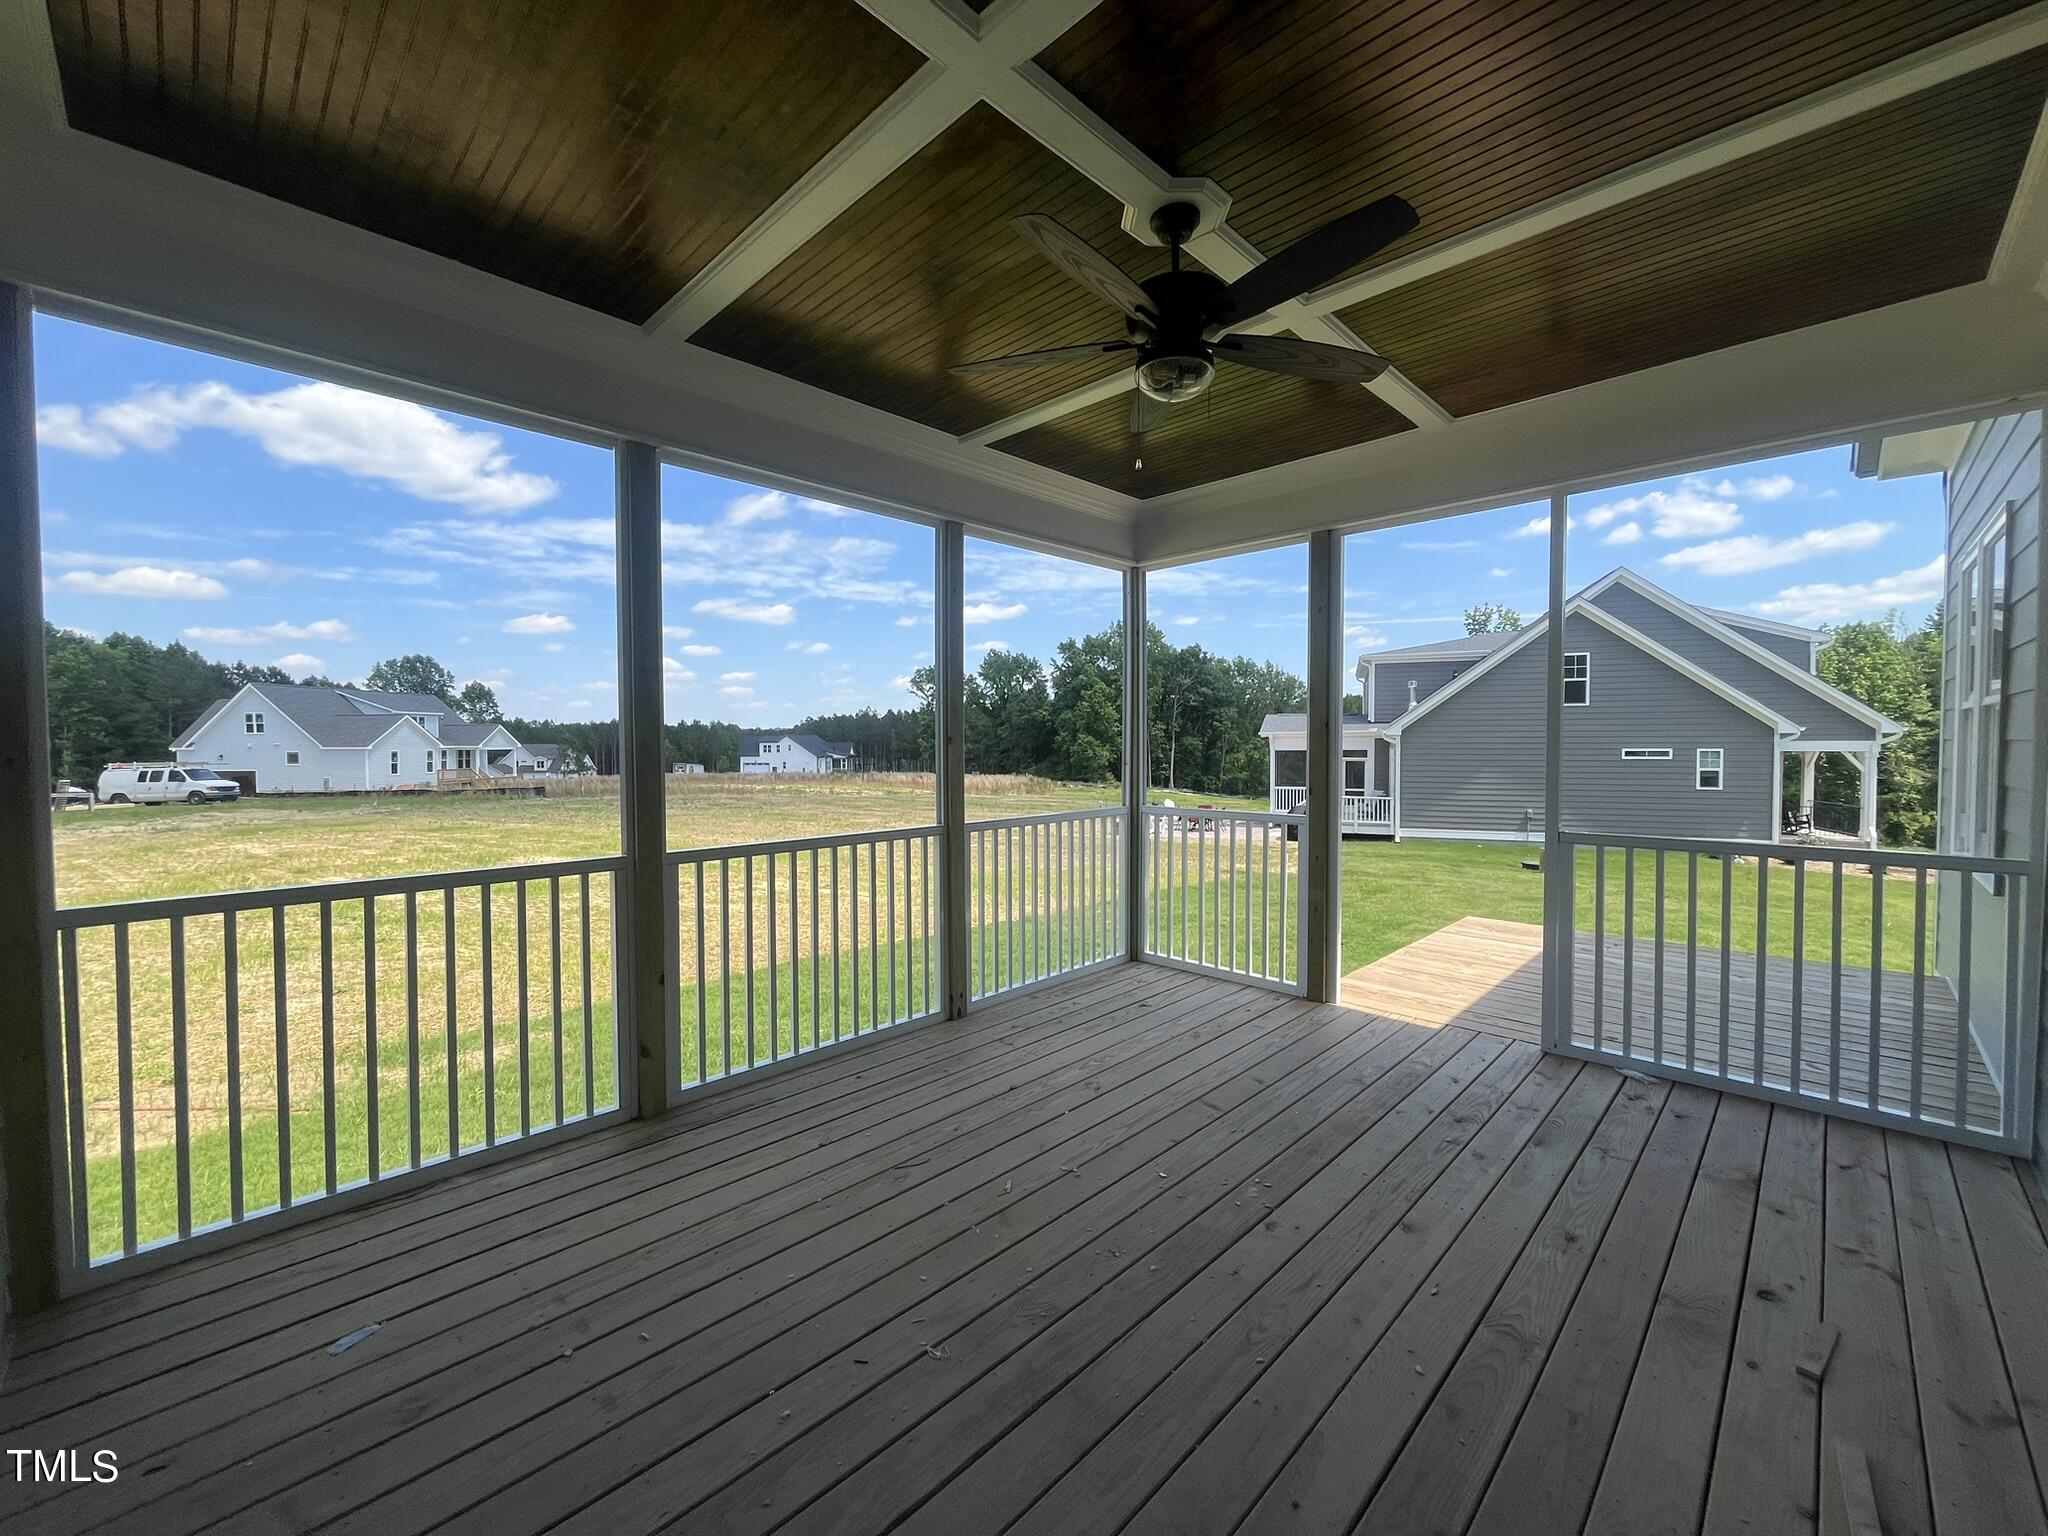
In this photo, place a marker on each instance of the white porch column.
(643, 796)
(1807, 762)
(1137, 760)
(31, 1127)
(1272, 775)
(1322, 838)
(1867, 810)
(1558, 939)
(949, 698)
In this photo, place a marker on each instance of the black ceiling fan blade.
(1040, 359)
(1086, 265)
(1147, 414)
(1306, 359)
(1320, 258)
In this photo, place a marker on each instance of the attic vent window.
(1646, 754)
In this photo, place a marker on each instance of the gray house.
(1678, 720)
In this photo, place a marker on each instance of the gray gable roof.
(400, 703)
(325, 714)
(1288, 725)
(1473, 646)
(817, 746)
(462, 733)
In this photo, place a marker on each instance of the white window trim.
(1646, 754)
(394, 761)
(1719, 770)
(252, 723)
(291, 757)
(1585, 658)
(1978, 696)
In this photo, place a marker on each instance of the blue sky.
(260, 516)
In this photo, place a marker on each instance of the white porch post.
(1807, 763)
(949, 698)
(1272, 775)
(1137, 760)
(1867, 809)
(1322, 839)
(643, 802)
(1557, 871)
(31, 1127)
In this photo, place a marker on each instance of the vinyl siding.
(2000, 467)
(1822, 720)
(1798, 652)
(1475, 763)
(1390, 698)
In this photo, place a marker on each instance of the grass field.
(413, 995)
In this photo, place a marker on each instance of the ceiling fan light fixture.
(1174, 377)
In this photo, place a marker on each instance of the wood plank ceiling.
(600, 150)
(607, 152)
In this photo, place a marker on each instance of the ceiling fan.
(1178, 323)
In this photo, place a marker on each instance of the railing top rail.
(1090, 813)
(1881, 858)
(681, 856)
(1273, 818)
(212, 903)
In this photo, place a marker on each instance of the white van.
(160, 783)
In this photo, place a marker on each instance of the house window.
(1707, 768)
(1646, 754)
(291, 757)
(252, 723)
(394, 762)
(1578, 677)
(430, 760)
(1980, 613)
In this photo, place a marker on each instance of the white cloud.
(737, 677)
(319, 629)
(1440, 546)
(1686, 513)
(900, 683)
(1184, 620)
(736, 691)
(554, 646)
(912, 621)
(1501, 572)
(675, 672)
(462, 639)
(990, 645)
(1364, 635)
(701, 650)
(992, 613)
(259, 570)
(1759, 487)
(1537, 526)
(809, 647)
(677, 631)
(1630, 532)
(150, 581)
(299, 661)
(746, 613)
(1830, 602)
(756, 507)
(314, 425)
(1752, 552)
(539, 624)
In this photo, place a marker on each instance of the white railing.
(1362, 810)
(1224, 893)
(1884, 986)
(233, 1057)
(779, 948)
(1045, 897)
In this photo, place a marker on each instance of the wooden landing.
(1148, 1253)
(1483, 973)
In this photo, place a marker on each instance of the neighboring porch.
(1368, 804)
(1144, 1251)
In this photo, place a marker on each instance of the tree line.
(125, 698)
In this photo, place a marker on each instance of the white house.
(793, 752)
(293, 739)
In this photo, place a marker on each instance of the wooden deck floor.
(1148, 1252)
(1484, 973)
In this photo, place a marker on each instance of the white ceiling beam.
(964, 55)
(1975, 350)
(2022, 255)
(1973, 50)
